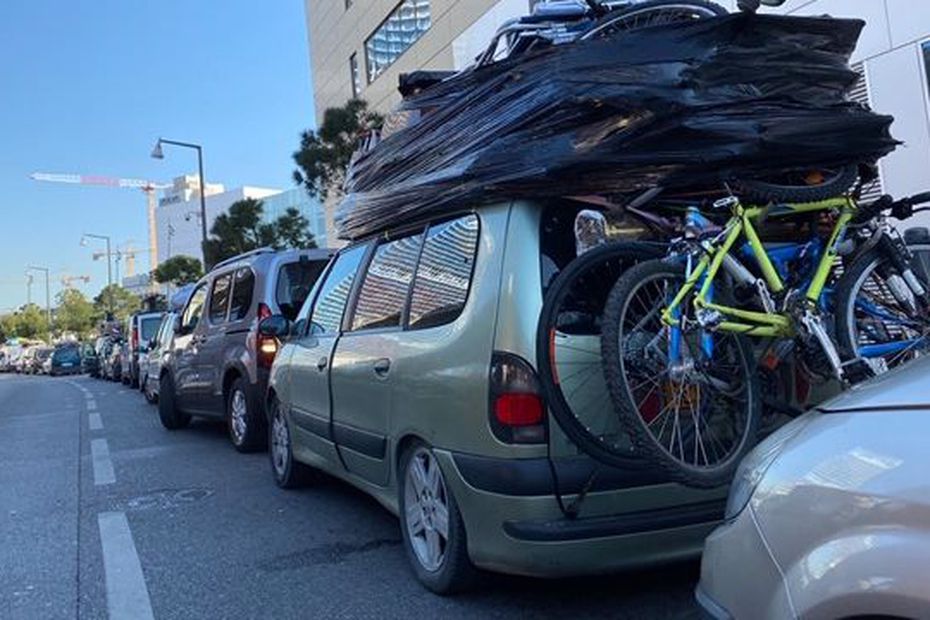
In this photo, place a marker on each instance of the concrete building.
(298, 198)
(361, 47)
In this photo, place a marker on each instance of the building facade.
(360, 47)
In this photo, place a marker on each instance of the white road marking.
(103, 466)
(95, 422)
(127, 594)
(91, 405)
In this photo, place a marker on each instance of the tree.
(292, 230)
(238, 231)
(324, 155)
(115, 298)
(74, 313)
(7, 327)
(31, 322)
(179, 270)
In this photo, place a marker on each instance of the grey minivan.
(218, 363)
(409, 374)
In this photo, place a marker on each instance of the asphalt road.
(103, 513)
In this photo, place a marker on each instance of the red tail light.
(135, 338)
(517, 412)
(267, 346)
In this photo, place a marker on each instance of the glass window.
(331, 302)
(148, 327)
(219, 299)
(406, 23)
(355, 75)
(444, 273)
(295, 280)
(194, 308)
(383, 296)
(243, 285)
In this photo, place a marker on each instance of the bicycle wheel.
(871, 322)
(655, 13)
(568, 352)
(798, 186)
(696, 416)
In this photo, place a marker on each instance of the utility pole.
(28, 288)
(48, 297)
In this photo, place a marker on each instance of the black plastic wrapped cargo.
(674, 106)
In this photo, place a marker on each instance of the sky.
(87, 87)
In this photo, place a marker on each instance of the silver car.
(156, 350)
(830, 516)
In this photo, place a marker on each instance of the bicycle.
(675, 339)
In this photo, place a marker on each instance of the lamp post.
(157, 153)
(87, 236)
(28, 288)
(48, 297)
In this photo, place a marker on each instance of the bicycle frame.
(748, 322)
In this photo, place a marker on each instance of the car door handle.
(321, 364)
(382, 367)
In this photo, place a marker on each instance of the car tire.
(242, 420)
(287, 472)
(171, 417)
(443, 567)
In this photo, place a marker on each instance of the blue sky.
(87, 87)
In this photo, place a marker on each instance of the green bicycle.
(678, 333)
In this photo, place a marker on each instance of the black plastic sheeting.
(682, 105)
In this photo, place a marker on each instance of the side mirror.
(276, 326)
(176, 327)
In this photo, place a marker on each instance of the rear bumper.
(628, 520)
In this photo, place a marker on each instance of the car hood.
(902, 388)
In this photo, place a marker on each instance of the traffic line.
(103, 466)
(91, 405)
(127, 594)
(95, 422)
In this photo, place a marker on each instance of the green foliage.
(242, 229)
(75, 313)
(324, 155)
(114, 298)
(292, 230)
(30, 321)
(179, 270)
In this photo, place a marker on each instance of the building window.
(406, 23)
(356, 76)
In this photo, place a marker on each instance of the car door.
(363, 364)
(187, 346)
(309, 395)
(209, 360)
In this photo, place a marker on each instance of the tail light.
(135, 338)
(516, 410)
(267, 346)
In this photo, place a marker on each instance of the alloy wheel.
(280, 444)
(426, 504)
(238, 413)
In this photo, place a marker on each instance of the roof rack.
(239, 257)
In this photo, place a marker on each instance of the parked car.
(827, 518)
(140, 329)
(219, 364)
(112, 362)
(42, 355)
(25, 361)
(90, 363)
(150, 363)
(65, 360)
(408, 374)
(8, 356)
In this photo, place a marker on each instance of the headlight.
(753, 468)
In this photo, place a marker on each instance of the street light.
(158, 153)
(48, 298)
(87, 236)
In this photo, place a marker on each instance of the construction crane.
(68, 281)
(129, 253)
(148, 187)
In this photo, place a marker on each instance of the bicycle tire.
(764, 192)
(559, 290)
(701, 8)
(847, 291)
(646, 444)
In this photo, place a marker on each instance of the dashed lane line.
(127, 594)
(95, 422)
(91, 405)
(103, 466)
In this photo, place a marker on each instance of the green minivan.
(409, 373)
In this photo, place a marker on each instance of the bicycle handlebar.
(900, 209)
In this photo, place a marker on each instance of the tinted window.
(219, 299)
(243, 285)
(295, 280)
(148, 328)
(194, 308)
(69, 354)
(384, 293)
(444, 273)
(331, 302)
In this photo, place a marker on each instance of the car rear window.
(243, 285)
(148, 327)
(219, 299)
(67, 355)
(387, 283)
(295, 280)
(444, 273)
